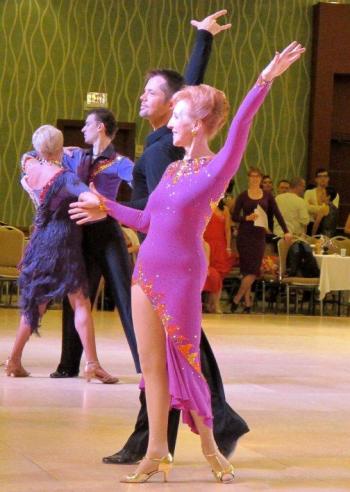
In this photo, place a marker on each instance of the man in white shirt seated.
(283, 186)
(293, 209)
(316, 198)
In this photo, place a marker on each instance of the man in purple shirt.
(104, 247)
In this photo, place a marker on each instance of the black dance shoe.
(58, 374)
(122, 457)
(247, 310)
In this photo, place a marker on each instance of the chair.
(309, 239)
(132, 239)
(232, 279)
(11, 251)
(295, 283)
(231, 282)
(341, 242)
(268, 279)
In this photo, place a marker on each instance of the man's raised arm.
(206, 30)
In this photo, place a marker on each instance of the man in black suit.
(159, 152)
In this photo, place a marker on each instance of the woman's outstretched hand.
(282, 61)
(89, 208)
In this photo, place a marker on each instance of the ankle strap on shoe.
(167, 457)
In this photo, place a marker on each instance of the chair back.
(341, 242)
(339, 238)
(283, 247)
(310, 239)
(11, 246)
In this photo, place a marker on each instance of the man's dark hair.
(266, 176)
(331, 192)
(174, 80)
(321, 170)
(283, 181)
(106, 117)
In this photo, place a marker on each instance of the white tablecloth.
(334, 273)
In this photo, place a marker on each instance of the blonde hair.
(47, 140)
(207, 104)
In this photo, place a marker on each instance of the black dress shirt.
(159, 150)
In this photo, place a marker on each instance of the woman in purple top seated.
(53, 266)
(171, 268)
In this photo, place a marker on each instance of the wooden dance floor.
(290, 378)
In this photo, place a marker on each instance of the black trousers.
(228, 425)
(106, 254)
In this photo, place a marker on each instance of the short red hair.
(207, 104)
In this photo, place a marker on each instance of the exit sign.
(96, 100)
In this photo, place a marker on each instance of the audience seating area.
(274, 290)
(12, 243)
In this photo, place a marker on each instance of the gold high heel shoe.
(94, 370)
(165, 464)
(220, 474)
(14, 369)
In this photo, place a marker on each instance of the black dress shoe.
(63, 374)
(122, 457)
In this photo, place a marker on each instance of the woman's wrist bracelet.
(262, 81)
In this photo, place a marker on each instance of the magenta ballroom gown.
(171, 267)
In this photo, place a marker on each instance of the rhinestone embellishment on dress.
(185, 167)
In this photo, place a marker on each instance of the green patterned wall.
(54, 51)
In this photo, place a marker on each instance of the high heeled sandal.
(94, 370)
(15, 369)
(165, 464)
(219, 475)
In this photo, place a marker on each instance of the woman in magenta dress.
(171, 267)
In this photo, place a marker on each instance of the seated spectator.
(315, 198)
(267, 184)
(293, 209)
(283, 186)
(327, 218)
